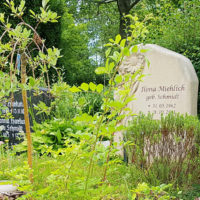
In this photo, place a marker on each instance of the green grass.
(55, 178)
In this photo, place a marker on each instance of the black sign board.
(13, 128)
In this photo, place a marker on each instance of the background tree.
(124, 8)
(101, 24)
(76, 63)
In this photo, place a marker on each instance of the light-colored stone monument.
(170, 84)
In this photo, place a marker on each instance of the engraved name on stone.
(157, 98)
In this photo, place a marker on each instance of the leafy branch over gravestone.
(23, 51)
(114, 110)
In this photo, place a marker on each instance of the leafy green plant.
(143, 191)
(83, 102)
(52, 135)
(64, 105)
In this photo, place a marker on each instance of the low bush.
(52, 135)
(167, 149)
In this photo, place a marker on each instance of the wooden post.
(26, 115)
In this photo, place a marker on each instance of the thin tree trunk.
(26, 115)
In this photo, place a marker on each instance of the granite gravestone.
(170, 84)
(13, 128)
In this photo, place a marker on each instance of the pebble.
(7, 188)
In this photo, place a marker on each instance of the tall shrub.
(23, 44)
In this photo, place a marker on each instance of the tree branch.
(134, 4)
(104, 1)
(35, 32)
